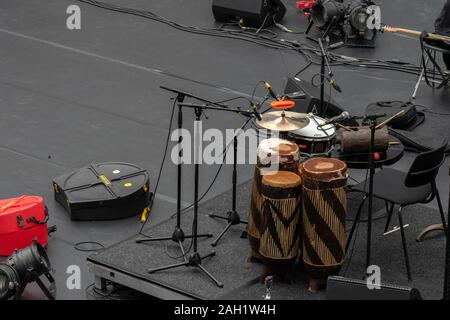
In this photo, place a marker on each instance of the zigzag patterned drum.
(324, 210)
(273, 154)
(281, 219)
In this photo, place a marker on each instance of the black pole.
(372, 172)
(322, 84)
(179, 166)
(235, 145)
(447, 259)
(197, 157)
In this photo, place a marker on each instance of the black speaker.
(311, 102)
(255, 13)
(339, 288)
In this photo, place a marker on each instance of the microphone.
(272, 93)
(332, 83)
(255, 112)
(343, 116)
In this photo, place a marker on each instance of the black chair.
(430, 48)
(404, 189)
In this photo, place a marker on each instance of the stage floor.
(127, 263)
(69, 98)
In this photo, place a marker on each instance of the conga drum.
(324, 201)
(281, 221)
(286, 158)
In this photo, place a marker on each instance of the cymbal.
(283, 121)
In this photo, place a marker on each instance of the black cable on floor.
(78, 246)
(269, 42)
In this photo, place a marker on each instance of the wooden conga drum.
(281, 221)
(288, 155)
(324, 200)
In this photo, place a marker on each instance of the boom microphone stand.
(325, 62)
(372, 119)
(178, 235)
(233, 216)
(195, 260)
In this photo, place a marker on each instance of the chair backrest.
(425, 167)
(437, 45)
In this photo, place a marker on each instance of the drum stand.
(373, 124)
(233, 216)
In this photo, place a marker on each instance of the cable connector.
(145, 214)
(283, 28)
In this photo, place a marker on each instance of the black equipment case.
(104, 191)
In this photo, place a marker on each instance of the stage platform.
(126, 262)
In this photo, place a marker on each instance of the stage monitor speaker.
(255, 13)
(311, 103)
(340, 288)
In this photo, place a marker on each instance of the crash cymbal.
(283, 121)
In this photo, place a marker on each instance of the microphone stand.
(233, 216)
(372, 119)
(178, 236)
(325, 63)
(447, 262)
(195, 260)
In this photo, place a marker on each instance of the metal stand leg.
(405, 249)
(44, 289)
(441, 211)
(355, 223)
(416, 88)
(390, 211)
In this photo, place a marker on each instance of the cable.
(270, 42)
(161, 167)
(77, 246)
(425, 109)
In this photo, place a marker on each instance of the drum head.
(313, 131)
(324, 168)
(282, 179)
(277, 146)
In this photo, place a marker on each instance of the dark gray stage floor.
(241, 279)
(71, 97)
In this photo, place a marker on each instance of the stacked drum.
(281, 221)
(273, 155)
(298, 209)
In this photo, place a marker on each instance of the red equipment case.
(22, 220)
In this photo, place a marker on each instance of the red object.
(376, 156)
(305, 4)
(282, 104)
(22, 220)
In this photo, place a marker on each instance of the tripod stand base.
(195, 260)
(177, 236)
(233, 218)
